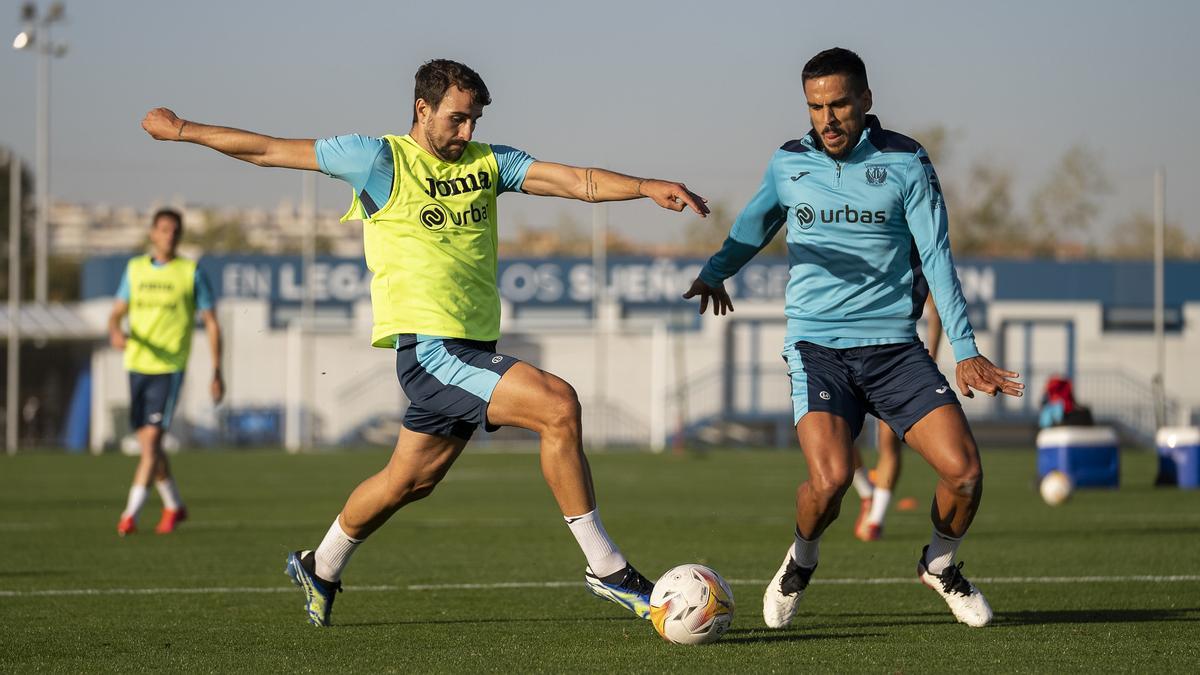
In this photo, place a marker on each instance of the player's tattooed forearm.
(589, 186)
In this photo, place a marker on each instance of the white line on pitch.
(1137, 578)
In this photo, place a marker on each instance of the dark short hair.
(168, 213)
(435, 77)
(837, 61)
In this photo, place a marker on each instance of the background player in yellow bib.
(161, 294)
(428, 204)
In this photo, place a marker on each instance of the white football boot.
(967, 603)
(784, 592)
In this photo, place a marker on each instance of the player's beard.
(450, 151)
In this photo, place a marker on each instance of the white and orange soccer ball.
(691, 605)
(1056, 487)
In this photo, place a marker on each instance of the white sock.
(805, 552)
(334, 552)
(862, 483)
(137, 498)
(603, 556)
(169, 493)
(941, 552)
(879, 505)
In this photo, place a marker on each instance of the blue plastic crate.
(1088, 455)
(1179, 455)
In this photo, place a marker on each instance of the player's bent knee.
(963, 477)
(410, 491)
(562, 411)
(831, 483)
(421, 491)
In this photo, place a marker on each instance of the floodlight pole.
(308, 216)
(12, 390)
(599, 419)
(41, 237)
(46, 49)
(1160, 204)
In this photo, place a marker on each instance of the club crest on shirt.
(876, 174)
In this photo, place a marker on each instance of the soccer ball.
(691, 605)
(1056, 487)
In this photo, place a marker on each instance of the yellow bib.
(432, 246)
(162, 314)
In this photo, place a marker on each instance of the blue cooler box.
(1179, 455)
(1087, 454)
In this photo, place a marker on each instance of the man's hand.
(720, 299)
(982, 375)
(116, 338)
(218, 387)
(162, 124)
(674, 196)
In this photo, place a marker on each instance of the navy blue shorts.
(449, 383)
(152, 399)
(898, 383)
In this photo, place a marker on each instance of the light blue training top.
(863, 235)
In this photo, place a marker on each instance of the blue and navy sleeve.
(925, 211)
(365, 162)
(123, 287)
(754, 228)
(204, 292)
(513, 165)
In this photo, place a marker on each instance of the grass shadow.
(508, 620)
(761, 637)
(1041, 617)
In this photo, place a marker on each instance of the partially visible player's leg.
(174, 511)
(541, 402)
(887, 471)
(864, 487)
(943, 438)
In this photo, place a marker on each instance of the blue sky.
(701, 92)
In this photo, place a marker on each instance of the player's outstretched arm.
(290, 153)
(980, 374)
(598, 185)
(721, 304)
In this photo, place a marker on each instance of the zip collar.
(813, 141)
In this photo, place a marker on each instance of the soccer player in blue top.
(865, 225)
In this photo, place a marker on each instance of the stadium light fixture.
(28, 17)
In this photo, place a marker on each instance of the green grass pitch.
(213, 597)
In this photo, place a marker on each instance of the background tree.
(1133, 239)
(1066, 205)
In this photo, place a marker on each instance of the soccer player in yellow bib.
(161, 293)
(427, 200)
